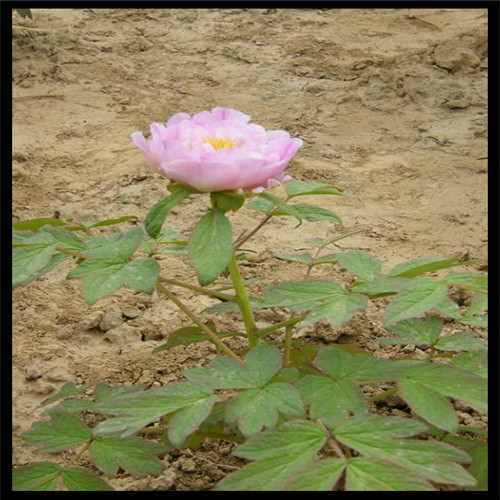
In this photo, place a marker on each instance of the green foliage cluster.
(297, 413)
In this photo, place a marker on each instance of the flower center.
(220, 143)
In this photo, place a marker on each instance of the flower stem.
(243, 301)
(288, 344)
(210, 334)
(244, 238)
(205, 291)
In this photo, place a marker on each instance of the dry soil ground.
(391, 105)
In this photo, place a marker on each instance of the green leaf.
(423, 265)
(462, 341)
(382, 285)
(261, 364)
(416, 300)
(187, 420)
(135, 456)
(414, 331)
(42, 476)
(303, 188)
(479, 466)
(103, 277)
(62, 432)
(78, 479)
(67, 390)
(227, 200)
(331, 401)
(320, 476)
(340, 364)
(429, 404)
(255, 409)
(449, 308)
(360, 263)
(474, 362)
(431, 460)
(158, 213)
(191, 335)
(303, 258)
(451, 382)
(112, 222)
(472, 281)
(118, 247)
(36, 224)
(370, 475)
(291, 438)
(310, 213)
(279, 453)
(135, 410)
(211, 246)
(326, 300)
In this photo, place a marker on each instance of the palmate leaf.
(414, 301)
(319, 476)
(365, 474)
(429, 460)
(108, 267)
(450, 382)
(158, 213)
(67, 390)
(261, 364)
(279, 455)
(342, 365)
(33, 256)
(362, 264)
(47, 476)
(255, 409)
(382, 285)
(331, 401)
(326, 300)
(60, 433)
(135, 456)
(211, 246)
(133, 411)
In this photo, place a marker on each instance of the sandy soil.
(391, 105)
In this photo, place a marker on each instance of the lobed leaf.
(319, 476)
(305, 188)
(423, 265)
(362, 264)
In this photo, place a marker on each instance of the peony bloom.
(218, 150)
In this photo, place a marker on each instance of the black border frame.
(6, 6)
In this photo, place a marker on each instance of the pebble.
(186, 464)
(130, 312)
(464, 417)
(92, 320)
(110, 320)
(123, 335)
(65, 333)
(42, 388)
(165, 481)
(58, 375)
(32, 374)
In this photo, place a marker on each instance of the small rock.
(131, 312)
(32, 374)
(187, 464)
(92, 320)
(42, 388)
(464, 417)
(123, 335)
(65, 333)
(110, 320)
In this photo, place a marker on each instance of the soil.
(391, 105)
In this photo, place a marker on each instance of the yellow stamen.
(220, 143)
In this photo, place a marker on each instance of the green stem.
(243, 301)
(199, 289)
(288, 344)
(210, 334)
(282, 324)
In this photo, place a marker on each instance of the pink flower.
(218, 150)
